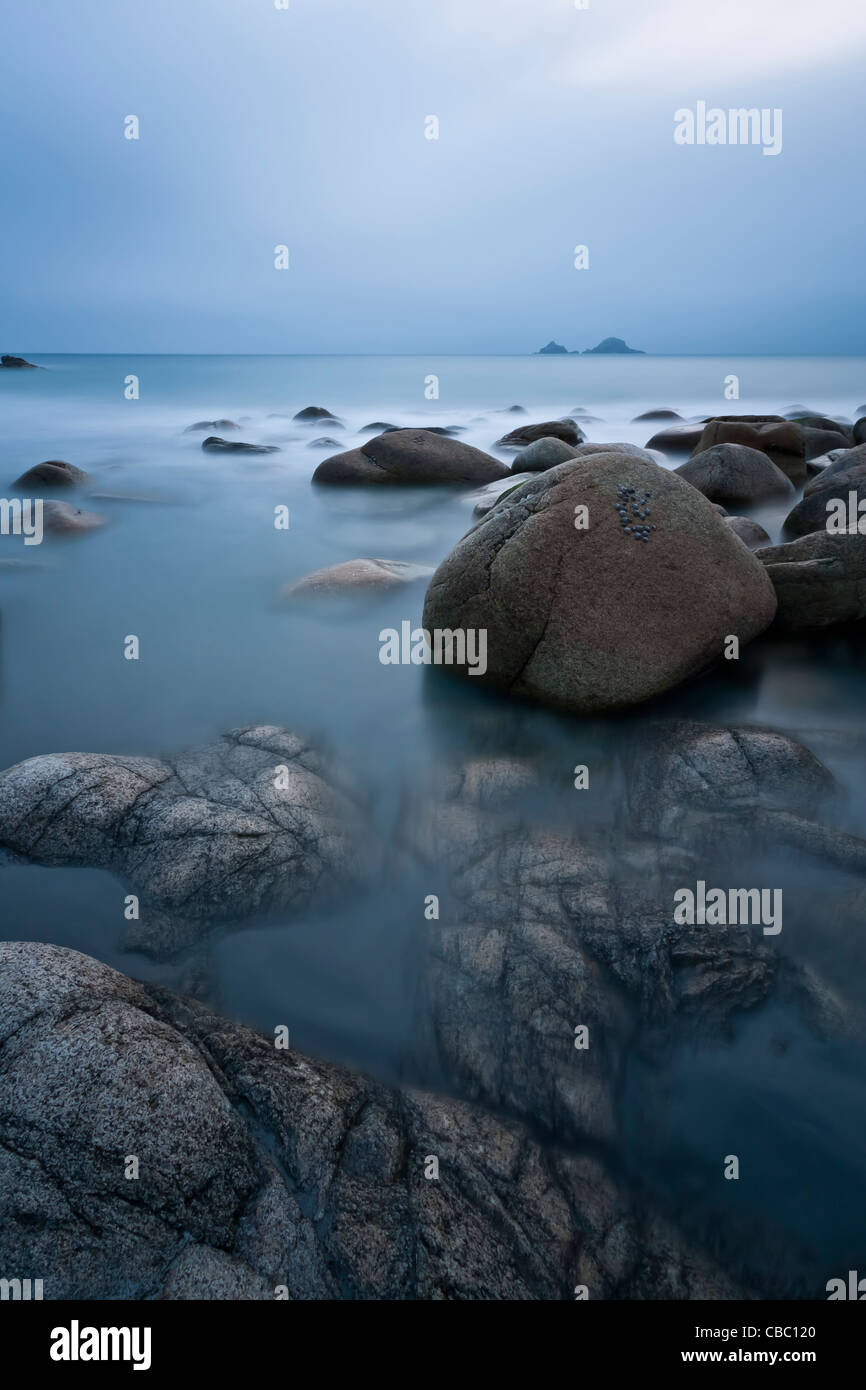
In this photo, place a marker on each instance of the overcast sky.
(306, 127)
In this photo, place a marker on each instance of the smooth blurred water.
(196, 571)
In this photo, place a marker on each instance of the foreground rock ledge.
(607, 616)
(262, 1170)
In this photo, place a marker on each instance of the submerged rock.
(735, 473)
(54, 473)
(408, 457)
(518, 438)
(214, 445)
(656, 415)
(61, 518)
(605, 616)
(264, 1174)
(324, 443)
(250, 824)
(212, 425)
(354, 576)
(820, 579)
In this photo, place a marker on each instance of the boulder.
(585, 451)
(410, 456)
(487, 497)
(542, 454)
(324, 442)
(54, 473)
(212, 425)
(607, 616)
(549, 429)
(824, 498)
(264, 1173)
(749, 532)
(820, 441)
(256, 822)
(843, 461)
(735, 473)
(811, 421)
(656, 415)
(781, 440)
(820, 579)
(61, 518)
(859, 431)
(357, 576)
(677, 439)
(377, 427)
(214, 445)
(314, 412)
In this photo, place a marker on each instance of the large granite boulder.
(410, 456)
(542, 454)
(52, 474)
(604, 614)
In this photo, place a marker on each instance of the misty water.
(192, 564)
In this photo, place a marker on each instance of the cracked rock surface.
(255, 822)
(260, 1169)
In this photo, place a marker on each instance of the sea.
(191, 563)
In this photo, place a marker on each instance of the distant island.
(605, 346)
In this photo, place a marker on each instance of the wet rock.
(518, 438)
(735, 473)
(610, 615)
(214, 445)
(356, 576)
(15, 363)
(809, 421)
(212, 425)
(656, 415)
(487, 497)
(859, 431)
(542, 454)
(61, 518)
(324, 443)
(824, 498)
(54, 473)
(514, 410)
(315, 412)
(779, 439)
(749, 532)
(841, 461)
(409, 457)
(820, 579)
(263, 1171)
(377, 427)
(819, 441)
(585, 451)
(677, 439)
(256, 822)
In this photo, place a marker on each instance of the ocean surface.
(192, 564)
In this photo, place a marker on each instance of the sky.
(306, 127)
